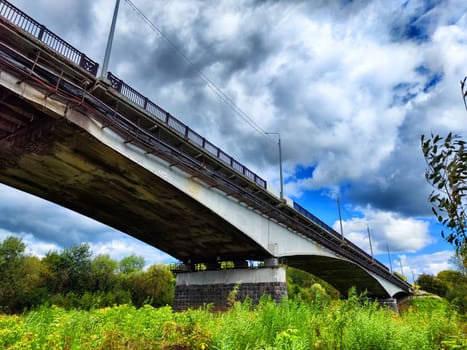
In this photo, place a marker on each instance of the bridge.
(99, 147)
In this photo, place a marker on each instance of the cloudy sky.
(350, 86)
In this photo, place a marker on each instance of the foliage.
(303, 285)
(449, 284)
(155, 287)
(447, 174)
(12, 272)
(72, 279)
(353, 324)
(131, 264)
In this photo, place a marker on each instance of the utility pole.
(105, 64)
(340, 216)
(389, 257)
(369, 239)
(280, 162)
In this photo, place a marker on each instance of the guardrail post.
(41, 32)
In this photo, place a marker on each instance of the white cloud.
(119, 248)
(430, 263)
(387, 229)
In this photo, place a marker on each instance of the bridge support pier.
(390, 303)
(222, 287)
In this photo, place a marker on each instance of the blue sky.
(350, 86)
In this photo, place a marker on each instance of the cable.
(203, 77)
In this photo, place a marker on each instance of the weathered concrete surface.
(231, 276)
(56, 160)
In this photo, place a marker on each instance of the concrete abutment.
(221, 287)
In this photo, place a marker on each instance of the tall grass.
(351, 324)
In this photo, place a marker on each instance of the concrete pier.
(221, 287)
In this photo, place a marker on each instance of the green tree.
(455, 285)
(76, 263)
(131, 263)
(155, 286)
(103, 273)
(446, 159)
(431, 284)
(35, 286)
(55, 274)
(12, 282)
(300, 285)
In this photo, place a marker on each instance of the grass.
(350, 324)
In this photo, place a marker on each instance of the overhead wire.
(209, 83)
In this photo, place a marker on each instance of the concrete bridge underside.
(59, 161)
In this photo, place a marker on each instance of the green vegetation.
(69, 300)
(446, 159)
(72, 279)
(448, 284)
(351, 324)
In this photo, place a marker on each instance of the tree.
(76, 262)
(431, 284)
(131, 263)
(35, 290)
(155, 287)
(447, 174)
(12, 282)
(103, 273)
(56, 276)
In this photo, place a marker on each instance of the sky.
(349, 85)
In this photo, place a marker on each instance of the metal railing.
(336, 235)
(176, 125)
(313, 218)
(40, 32)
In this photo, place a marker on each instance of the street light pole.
(105, 64)
(389, 257)
(280, 162)
(369, 239)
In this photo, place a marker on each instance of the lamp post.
(280, 162)
(369, 239)
(389, 257)
(110, 40)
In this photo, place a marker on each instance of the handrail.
(333, 232)
(181, 128)
(313, 218)
(40, 32)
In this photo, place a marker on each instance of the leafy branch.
(446, 159)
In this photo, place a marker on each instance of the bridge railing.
(176, 125)
(40, 32)
(313, 218)
(333, 232)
